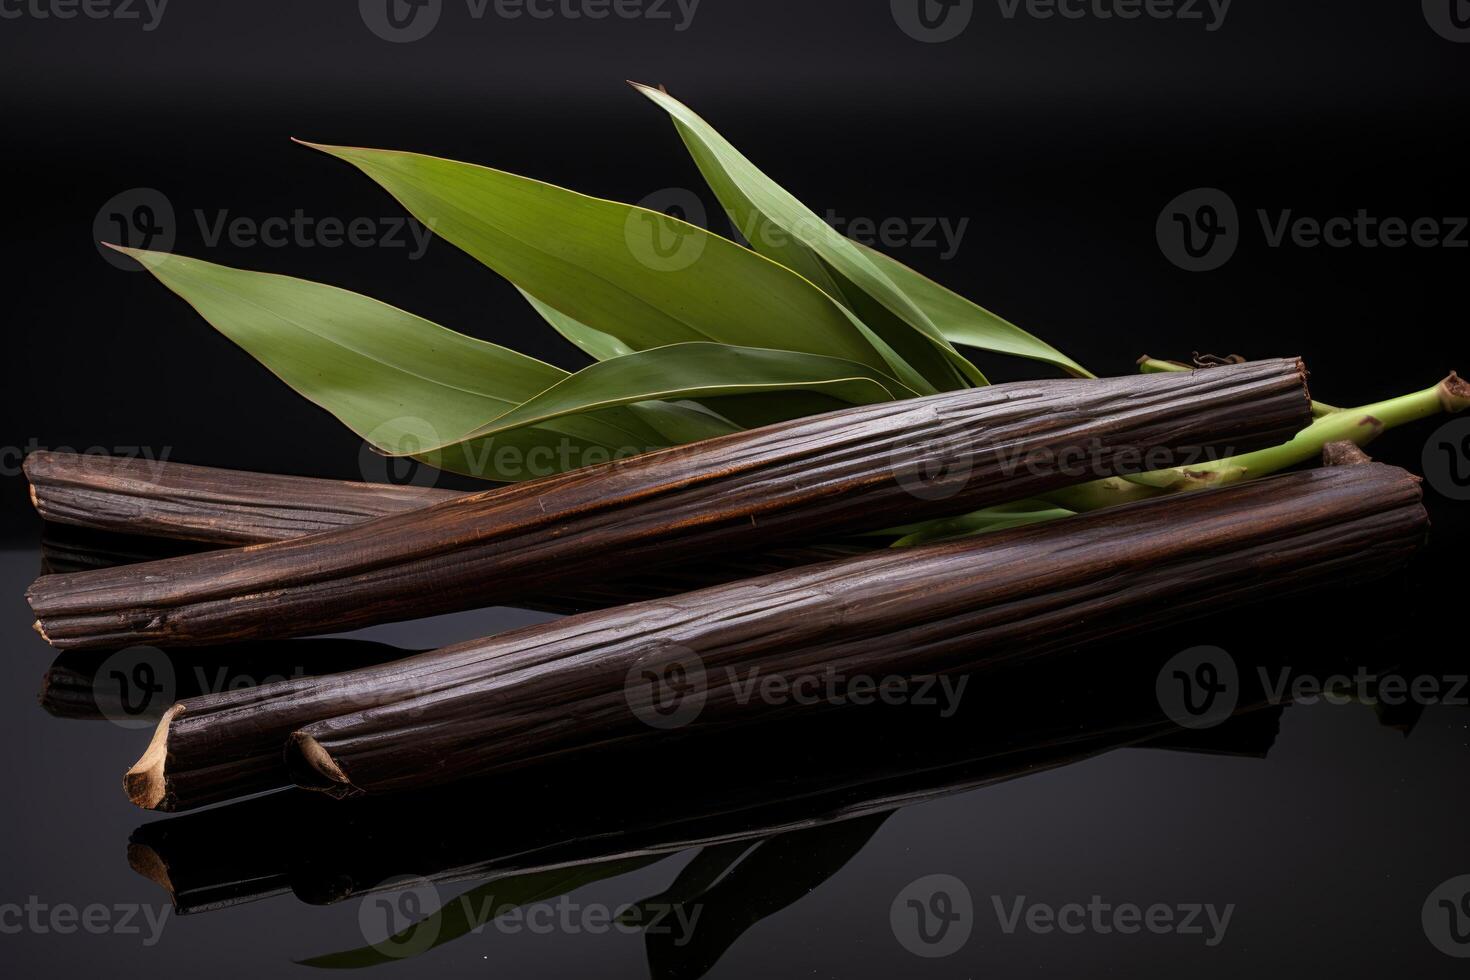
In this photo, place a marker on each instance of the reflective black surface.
(1313, 832)
(1058, 142)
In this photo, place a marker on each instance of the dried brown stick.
(68, 549)
(567, 686)
(159, 498)
(787, 484)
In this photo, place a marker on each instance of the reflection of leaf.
(475, 908)
(702, 871)
(776, 873)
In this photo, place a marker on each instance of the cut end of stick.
(147, 782)
(1344, 453)
(312, 767)
(1454, 393)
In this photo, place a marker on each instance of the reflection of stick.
(858, 469)
(733, 786)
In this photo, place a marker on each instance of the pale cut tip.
(146, 783)
(312, 767)
(1344, 452)
(1454, 393)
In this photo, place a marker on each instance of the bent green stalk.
(1359, 426)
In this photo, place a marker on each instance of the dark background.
(1060, 141)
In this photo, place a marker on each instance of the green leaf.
(962, 322)
(639, 276)
(998, 518)
(474, 909)
(685, 371)
(400, 382)
(601, 346)
(780, 226)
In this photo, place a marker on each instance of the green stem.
(1357, 425)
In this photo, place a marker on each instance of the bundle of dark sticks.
(752, 518)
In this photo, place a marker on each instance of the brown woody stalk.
(786, 484)
(163, 499)
(91, 499)
(912, 609)
(568, 686)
